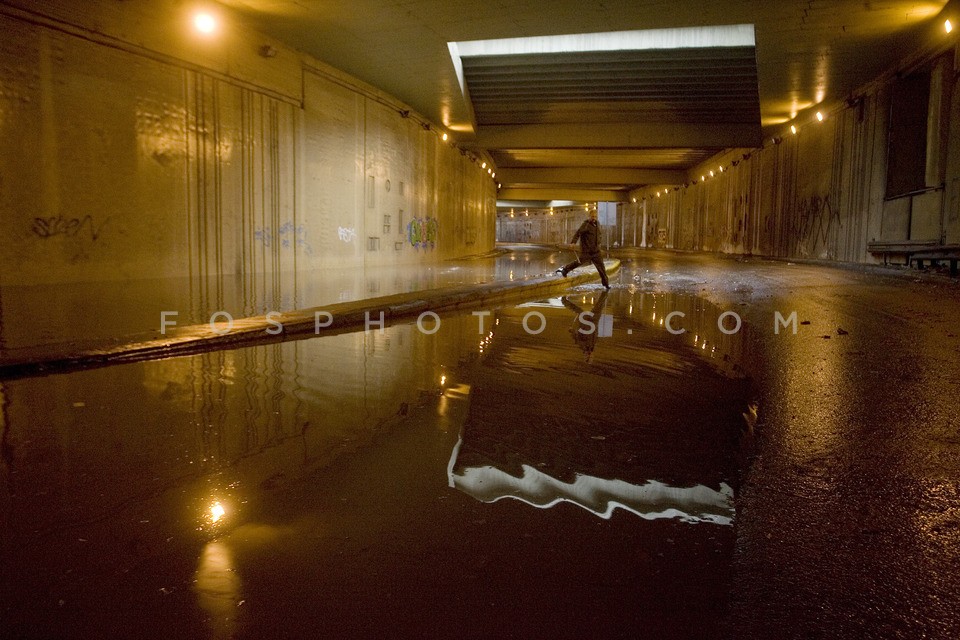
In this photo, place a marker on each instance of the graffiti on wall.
(422, 232)
(346, 234)
(70, 227)
(814, 220)
(740, 213)
(286, 236)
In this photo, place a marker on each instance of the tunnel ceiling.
(694, 86)
(591, 125)
(629, 107)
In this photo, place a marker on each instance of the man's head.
(592, 214)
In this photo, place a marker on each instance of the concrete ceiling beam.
(618, 136)
(576, 195)
(594, 175)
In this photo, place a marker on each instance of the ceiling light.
(205, 23)
(793, 129)
(483, 166)
(819, 116)
(445, 136)
(948, 26)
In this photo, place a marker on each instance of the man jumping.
(589, 236)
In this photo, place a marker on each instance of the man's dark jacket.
(589, 236)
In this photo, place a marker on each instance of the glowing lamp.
(205, 23)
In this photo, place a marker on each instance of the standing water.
(548, 474)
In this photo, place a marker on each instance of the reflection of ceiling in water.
(599, 496)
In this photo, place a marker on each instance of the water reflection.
(218, 589)
(589, 325)
(601, 497)
(65, 312)
(650, 425)
(269, 474)
(6, 459)
(103, 470)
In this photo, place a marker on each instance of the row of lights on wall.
(819, 115)
(794, 130)
(703, 178)
(526, 212)
(207, 24)
(484, 166)
(445, 137)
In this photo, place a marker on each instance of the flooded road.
(545, 475)
(62, 313)
(695, 466)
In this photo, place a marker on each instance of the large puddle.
(83, 311)
(538, 476)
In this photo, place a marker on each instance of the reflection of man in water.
(589, 236)
(585, 330)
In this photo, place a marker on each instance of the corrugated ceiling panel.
(685, 85)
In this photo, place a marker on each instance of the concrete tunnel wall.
(131, 148)
(818, 194)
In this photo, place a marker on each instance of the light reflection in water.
(232, 428)
(217, 587)
(599, 496)
(144, 452)
(216, 512)
(649, 426)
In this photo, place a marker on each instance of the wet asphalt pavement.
(849, 517)
(520, 479)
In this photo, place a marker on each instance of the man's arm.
(576, 236)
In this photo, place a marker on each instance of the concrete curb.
(342, 317)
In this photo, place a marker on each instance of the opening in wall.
(907, 147)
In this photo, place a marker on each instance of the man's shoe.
(560, 272)
(607, 287)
